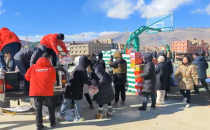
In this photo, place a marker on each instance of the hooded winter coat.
(119, 68)
(42, 77)
(202, 66)
(24, 55)
(104, 83)
(149, 74)
(74, 89)
(161, 75)
(76, 62)
(51, 41)
(100, 60)
(7, 37)
(169, 71)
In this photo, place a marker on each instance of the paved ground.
(173, 116)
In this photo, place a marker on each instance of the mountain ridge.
(178, 34)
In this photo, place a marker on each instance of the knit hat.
(60, 36)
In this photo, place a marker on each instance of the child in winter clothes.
(74, 89)
(106, 93)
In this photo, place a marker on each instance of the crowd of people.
(37, 66)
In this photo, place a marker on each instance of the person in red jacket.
(49, 43)
(9, 43)
(42, 77)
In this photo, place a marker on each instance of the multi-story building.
(104, 41)
(188, 46)
(87, 48)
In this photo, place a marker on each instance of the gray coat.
(24, 55)
(104, 83)
(149, 74)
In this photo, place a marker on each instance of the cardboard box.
(138, 87)
(136, 61)
(128, 51)
(135, 55)
(139, 67)
(132, 66)
(138, 72)
(140, 80)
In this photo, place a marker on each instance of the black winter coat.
(74, 89)
(100, 60)
(170, 71)
(161, 74)
(104, 83)
(202, 66)
(149, 74)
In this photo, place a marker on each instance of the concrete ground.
(173, 116)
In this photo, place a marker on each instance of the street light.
(126, 32)
(27, 40)
(83, 37)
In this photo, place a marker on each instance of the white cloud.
(197, 11)
(76, 37)
(122, 9)
(1, 10)
(161, 6)
(17, 13)
(205, 10)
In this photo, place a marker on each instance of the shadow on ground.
(202, 99)
(122, 114)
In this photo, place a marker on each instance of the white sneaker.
(79, 119)
(185, 100)
(188, 105)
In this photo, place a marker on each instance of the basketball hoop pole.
(136, 33)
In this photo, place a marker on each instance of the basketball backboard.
(164, 22)
(161, 42)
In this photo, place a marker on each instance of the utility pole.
(83, 38)
(27, 41)
(126, 33)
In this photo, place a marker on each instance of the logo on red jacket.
(41, 70)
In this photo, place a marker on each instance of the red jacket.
(42, 77)
(51, 42)
(6, 37)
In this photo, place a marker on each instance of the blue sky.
(36, 18)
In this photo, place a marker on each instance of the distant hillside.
(152, 39)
